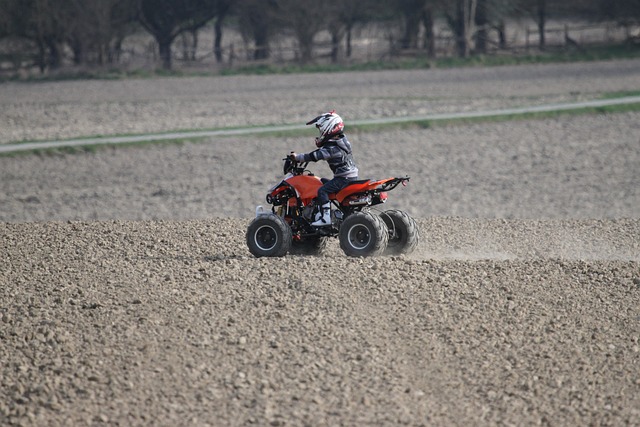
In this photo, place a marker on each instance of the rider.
(335, 148)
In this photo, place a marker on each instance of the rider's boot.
(324, 216)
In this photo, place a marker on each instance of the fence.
(375, 43)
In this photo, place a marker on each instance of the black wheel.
(363, 234)
(268, 235)
(309, 246)
(403, 232)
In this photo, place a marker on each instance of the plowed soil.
(128, 296)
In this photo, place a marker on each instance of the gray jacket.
(337, 152)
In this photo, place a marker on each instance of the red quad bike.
(287, 228)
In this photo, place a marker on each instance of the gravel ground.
(165, 323)
(128, 296)
(569, 167)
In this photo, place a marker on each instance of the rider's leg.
(324, 215)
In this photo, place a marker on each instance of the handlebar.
(293, 166)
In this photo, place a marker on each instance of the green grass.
(89, 149)
(610, 109)
(356, 128)
(588, 54)
(620, 94)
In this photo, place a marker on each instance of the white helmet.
(329, 124)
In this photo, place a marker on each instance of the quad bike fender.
(360, 187)
(306, 186)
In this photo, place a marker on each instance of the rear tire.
(268, 236)
(363, 234)
(403, 232)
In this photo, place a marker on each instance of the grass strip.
(355, 127)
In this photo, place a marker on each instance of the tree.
(222, 9)
(92, 29)
(351, 13)
(257, 23)
(415, 14)
(305, 18)
(622, 10)
(43, 22)
(463, 26)
(166, 19)
(491, 15)
(98, 28)
(429, 33)
(412, 13)
(482, 21)
(540, 10)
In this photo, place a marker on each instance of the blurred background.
(43, 37)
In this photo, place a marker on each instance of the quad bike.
(287, 228)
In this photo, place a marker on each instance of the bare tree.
(482, 23)
(491, 15)
(541, 15)
(98, 28)
(44, 23)
(166, 19)
(622, 10)
(464, 25)
(540, 11)
(305, 18)
(412, 13)
(223, 8)
(416, 14)
(342, 18)
(429, 33)
(257, 23)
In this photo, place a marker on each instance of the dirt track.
(128, 297)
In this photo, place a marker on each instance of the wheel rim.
(265, 237)
(359, 236)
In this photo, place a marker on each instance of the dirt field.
(128, 297)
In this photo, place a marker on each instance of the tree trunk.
(336, 35)
(481, 22)
(55, 56)
(461, 29)
(348, 41)
(306, 49)
(411, 29)
(194, 44)
(465, 16)
(542, 17)
(217, 44)
(261, 38)
(164, 49)
(42, 56)
(77, 48)
(502, 34)
(429, 34)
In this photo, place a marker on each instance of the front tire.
(269, 236)
(403, 232)
(363, 234)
